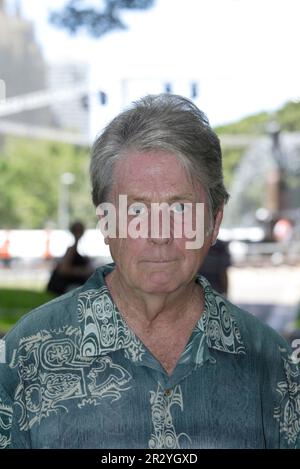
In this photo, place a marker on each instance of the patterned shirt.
(74, 375)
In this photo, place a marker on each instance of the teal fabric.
(75, 376)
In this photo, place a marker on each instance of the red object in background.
(47, 254)
(4, 249)
(283, 230)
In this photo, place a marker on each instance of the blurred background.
(68, 67)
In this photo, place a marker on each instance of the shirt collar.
(104, 330)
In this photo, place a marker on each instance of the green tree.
(77, 15)
(30, 183)
(288, 116)
(255, 124)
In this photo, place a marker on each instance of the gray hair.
(163, 122)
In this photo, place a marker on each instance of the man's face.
(156, 264)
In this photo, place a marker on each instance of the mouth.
(167, 261)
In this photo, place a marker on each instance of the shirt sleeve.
(11, 435)
(6, 412)
(287, 408)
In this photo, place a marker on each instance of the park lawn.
(14, 303)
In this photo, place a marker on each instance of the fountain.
(268, 177)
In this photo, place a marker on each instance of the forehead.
(153, 172)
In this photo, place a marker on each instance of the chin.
(160, 282)
(158, 290)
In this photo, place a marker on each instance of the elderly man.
(146, 354)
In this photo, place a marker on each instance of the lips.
(161, 261)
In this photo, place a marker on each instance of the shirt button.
(167, 392)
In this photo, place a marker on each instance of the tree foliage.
(255, 124)
(287, 117)
(31, 183)
(78, 15)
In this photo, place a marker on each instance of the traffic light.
(168, 88)
(85, 102)
(194, 90)
(102, 98)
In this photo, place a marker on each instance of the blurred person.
(146, 354)
(73, 269)
(215, 266)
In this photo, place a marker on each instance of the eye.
(137, 209)
(179, 207)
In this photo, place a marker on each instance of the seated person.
(73, 269)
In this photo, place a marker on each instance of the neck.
(151, 309)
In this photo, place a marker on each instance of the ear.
(100, 213)
(217, 223)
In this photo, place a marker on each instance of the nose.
(160, 230)
(160, 241)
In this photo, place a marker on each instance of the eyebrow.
(146, 198)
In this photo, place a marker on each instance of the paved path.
(272, 294)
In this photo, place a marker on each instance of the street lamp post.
(66, 180)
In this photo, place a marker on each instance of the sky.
(244, 54)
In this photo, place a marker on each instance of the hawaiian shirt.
(74, 375)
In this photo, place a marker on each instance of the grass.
(14, 303)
